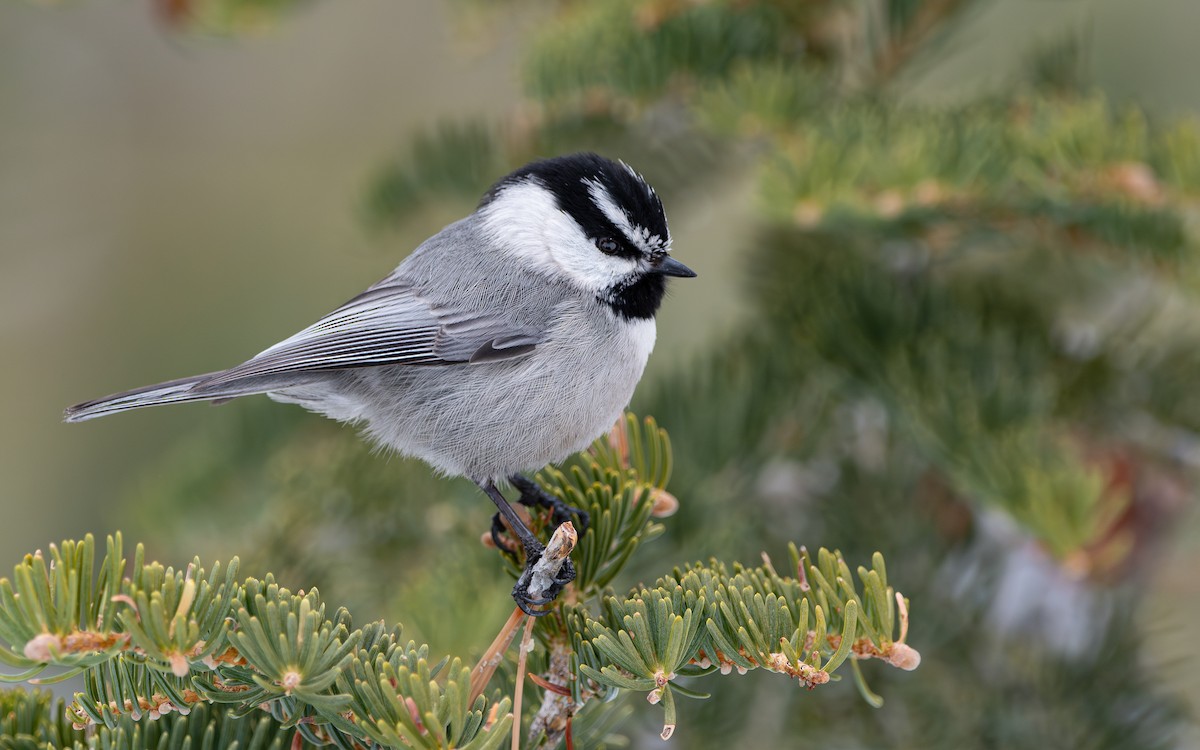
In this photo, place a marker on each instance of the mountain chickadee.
(508, 340)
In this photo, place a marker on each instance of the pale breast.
(495, 419)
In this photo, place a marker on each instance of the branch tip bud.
(179, 665)
(43, 647)
(904, 657)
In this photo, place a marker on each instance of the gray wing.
(390, 324)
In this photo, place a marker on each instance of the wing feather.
(389, 324)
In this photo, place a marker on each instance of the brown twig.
(525, 648)
(544, 572)
(483, 671)
(562, 543)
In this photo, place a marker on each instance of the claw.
(520, 594)
(531, 612)
(520, 591)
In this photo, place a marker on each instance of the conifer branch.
(163, 644)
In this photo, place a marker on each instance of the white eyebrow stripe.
(608, 207)
(648, 243)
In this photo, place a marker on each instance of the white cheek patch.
(525, 221)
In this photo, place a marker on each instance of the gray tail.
(171, 392)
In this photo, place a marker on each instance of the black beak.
(668, 266)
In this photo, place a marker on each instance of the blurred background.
(947, 309)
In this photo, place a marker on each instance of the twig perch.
(483, 671)
(557, 551)
(525, 647)
(562, 543)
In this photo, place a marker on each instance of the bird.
(507, 341)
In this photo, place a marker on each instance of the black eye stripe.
(623, 248)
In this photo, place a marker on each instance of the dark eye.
(608, 245)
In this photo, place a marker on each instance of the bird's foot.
(535, 587)
(547, 570)
(533, 496)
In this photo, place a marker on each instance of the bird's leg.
(505, 546)
(533, 496)
(533, 553)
